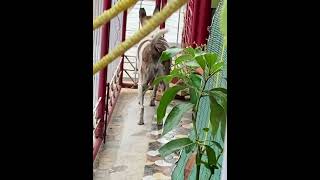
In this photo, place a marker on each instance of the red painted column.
(102, 83)
(158, 3)
(197, 20)
(204, 19)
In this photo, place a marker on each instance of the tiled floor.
(123, 155)
(158, 168)
(131, 151)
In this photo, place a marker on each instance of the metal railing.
(130, 69)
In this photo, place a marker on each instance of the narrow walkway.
(123, 156)
(131, 151)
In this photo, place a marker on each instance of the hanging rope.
(107, 15)
(151, 24)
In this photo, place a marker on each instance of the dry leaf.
(189, 165)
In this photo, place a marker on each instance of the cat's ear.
(142, 13)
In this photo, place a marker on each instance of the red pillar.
(197, 20)
(204, 18)
(102, 83)
(158, 3)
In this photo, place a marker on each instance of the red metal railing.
(109, 90)
(99, 131)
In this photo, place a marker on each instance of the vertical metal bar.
(103, 73)
(107, 112)
(102, 83)
(178, 26)
(124, 29)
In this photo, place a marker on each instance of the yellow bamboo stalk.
(107, 15)
(150, 25)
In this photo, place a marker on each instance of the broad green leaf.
(190, 148)
(190, 51)
(212, 158)
(174, 145)
(169, 53)
(211, 168)
(159, 79)
(220, 97)
(166, 79)
(184, 57)
(167, 97)
(175, 116)
(193, 95)
(217, 67)
(217, 114)
(176, 71)
(223, 90)
(201, 61)
(198, 51)
(196, 80)
(211, 59)
(192, 63)
(206, 73)
(218, 145)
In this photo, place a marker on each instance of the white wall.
(115, 39)
(97, 9)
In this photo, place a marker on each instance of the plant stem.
(198, 158)
(196, 109)
(194, 119)
(198, 163)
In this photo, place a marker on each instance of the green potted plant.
(186, 70)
